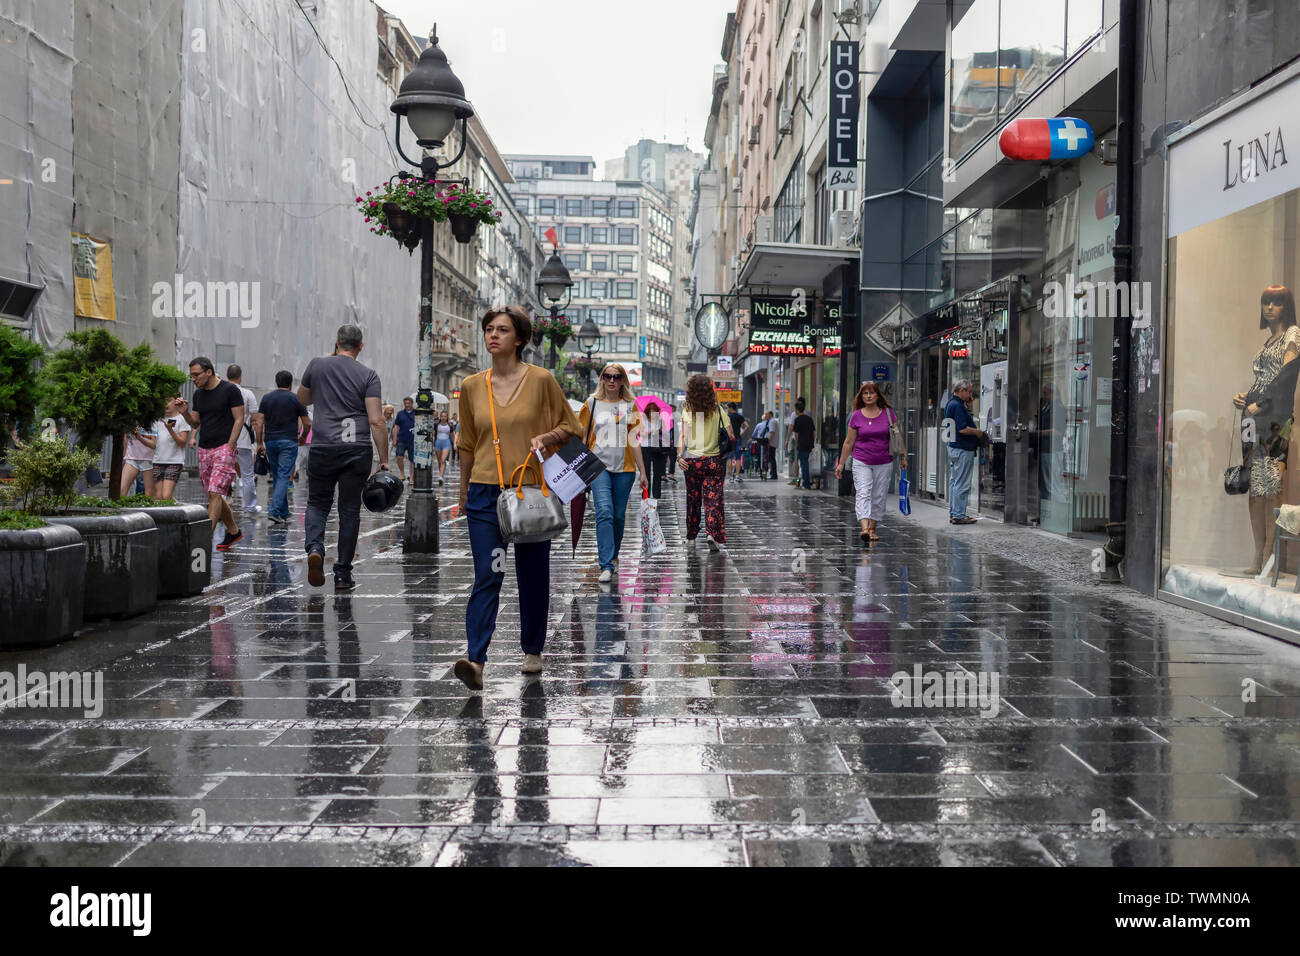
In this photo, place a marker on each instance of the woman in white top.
(609, 421)
(654, 441)
(138, 459)
(442, 444)
(699, 455)
(173, 433)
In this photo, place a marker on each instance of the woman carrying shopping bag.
(610, 419)
(516, 409)
(866, 445)
(700, 454)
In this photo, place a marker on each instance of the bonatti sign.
(842, 131)
(1236, 160)
(781, 325)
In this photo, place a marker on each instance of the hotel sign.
(842, 130)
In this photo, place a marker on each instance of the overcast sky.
(580, 76)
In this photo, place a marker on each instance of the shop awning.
(792, 265)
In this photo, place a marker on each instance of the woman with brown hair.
(609, 420)
(702, 464)
(1270, 401)
(866, 445)
(515, 409)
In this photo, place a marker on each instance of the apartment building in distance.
(616, 240)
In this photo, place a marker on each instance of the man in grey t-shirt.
(347, 417)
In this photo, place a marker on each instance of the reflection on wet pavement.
(707, 709)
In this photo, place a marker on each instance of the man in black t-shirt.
(803, 433)
(217, 412)
(738, 453)
(283, 421)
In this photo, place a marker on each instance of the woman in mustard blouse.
(531, 413)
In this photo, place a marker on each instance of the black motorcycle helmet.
(382, 491)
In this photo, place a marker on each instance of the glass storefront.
(1231, 344)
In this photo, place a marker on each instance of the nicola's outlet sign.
(1041, 139)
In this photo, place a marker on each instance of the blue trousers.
(961, 462)
(282, 453)
(532, 571)
(609, 493)
(804, 480)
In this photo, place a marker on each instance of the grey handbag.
(897, 447)
(526, 513)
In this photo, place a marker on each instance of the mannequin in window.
(1269, 403)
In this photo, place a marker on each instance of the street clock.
(712, 324)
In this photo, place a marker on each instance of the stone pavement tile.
(322, 709)
(830, 733)
(1027, 811)
(156, 737)
(1239, 808)
(643, 785)
(660, 758)
(64, 760)
(343, 786)
(359, 853)
(17, 853)
(1174, 851)
(485, 759)
(596, 853)
(182, 812)
(852, 808)
(22, 809)
(474, 809)
(1023, 852)
(1142, 787)
(863, 784)
(241, 759)
(86, 785)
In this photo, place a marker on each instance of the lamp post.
(554, 284)
(432, 99)
(588, 341)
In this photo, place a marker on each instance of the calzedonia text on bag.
(572, 469)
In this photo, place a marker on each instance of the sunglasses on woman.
(610, 378)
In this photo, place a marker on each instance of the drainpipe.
(1126, 139)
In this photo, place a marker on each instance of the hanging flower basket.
(584, 364)
(401, 207)
(462, 227)
(558, 331)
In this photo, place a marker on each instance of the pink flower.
(358, 199)
(372, 228)
(367, 192)
(367, 220)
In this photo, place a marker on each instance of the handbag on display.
(1236, 478)
(526, 513)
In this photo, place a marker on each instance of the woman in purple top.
(866, 445)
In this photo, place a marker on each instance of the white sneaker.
(713, 545)
(605, 575)
(532, 664)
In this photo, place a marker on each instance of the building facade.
(616, 238)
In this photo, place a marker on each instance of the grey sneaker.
(532, 664)
(605, 575)
(713, 545)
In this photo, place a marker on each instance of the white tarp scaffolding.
(36, 60)
(275, 146)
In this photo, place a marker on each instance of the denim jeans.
(345, 466)
(609, 493)
(961, 462)
(804, 480)
(282, 453)
(532, 572)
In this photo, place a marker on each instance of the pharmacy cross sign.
(1060, 137)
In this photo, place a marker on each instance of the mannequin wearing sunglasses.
(610, 420)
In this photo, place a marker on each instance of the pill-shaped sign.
(1061, 137)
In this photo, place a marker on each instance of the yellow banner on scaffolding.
(92, 278)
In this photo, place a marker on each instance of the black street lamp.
(554, 284)
(589, 341)
(432, 99)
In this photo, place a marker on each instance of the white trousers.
(871, 484)
(247, 480)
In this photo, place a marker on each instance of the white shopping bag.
(652, 534)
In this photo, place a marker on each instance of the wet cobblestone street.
(731, 708)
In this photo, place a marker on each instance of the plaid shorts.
(217, 469)
(170, 472)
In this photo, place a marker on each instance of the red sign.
(770, 348)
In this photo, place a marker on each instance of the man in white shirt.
(244, 450)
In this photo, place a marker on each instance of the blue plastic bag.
(904, 502)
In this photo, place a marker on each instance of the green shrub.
(18, 383)
(11, 520)
(45, 473)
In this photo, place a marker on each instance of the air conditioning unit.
(753, 135)
(843, 229)
(785, 123)
(763, 228)
(735, 182)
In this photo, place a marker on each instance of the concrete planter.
(121, 561)
(42, 582)
(183, 530)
